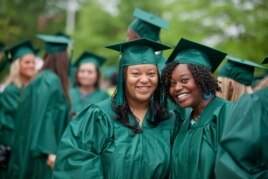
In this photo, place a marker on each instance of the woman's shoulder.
(99, 114)
(74, 90)
(46, 78)
(11, 88)
(104, 109)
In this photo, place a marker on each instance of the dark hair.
(122, 111)
(59, 64)
(202, 77)
(113, 78)
(97, 83)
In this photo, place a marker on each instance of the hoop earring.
(207, 96)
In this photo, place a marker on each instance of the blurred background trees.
(239, 27)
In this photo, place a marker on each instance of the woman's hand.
(51, 160)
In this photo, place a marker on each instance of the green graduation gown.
(195, 147)
(96, 146)
(8, 108)
(41, 120)
(79, 102)
(243, 150)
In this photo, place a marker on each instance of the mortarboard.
(88, 57)
(147, 25)
(139, 51)
(189, 52)
(239, 70)
(54, 43)
(16, 51)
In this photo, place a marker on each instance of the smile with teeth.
(143, 88)
(183, 95)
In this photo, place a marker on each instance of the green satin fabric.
(8, 109)
(243, 151)
(41, 120)
(78, 103)
(195, 147)
(96, 146)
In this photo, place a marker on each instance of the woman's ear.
(230, 90)
(231, 86)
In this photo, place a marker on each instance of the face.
(27, 66)
(183, 88)
(132, 35)
(87, 74)
(141, 82)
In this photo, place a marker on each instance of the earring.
(207, 96)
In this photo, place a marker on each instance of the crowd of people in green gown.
(159, 118)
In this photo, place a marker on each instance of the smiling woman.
(86, 89)
(127, 136)
(187, 80)
(22, 70)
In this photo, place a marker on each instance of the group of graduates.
(166, 118)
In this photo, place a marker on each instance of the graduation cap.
(54, 43)
(17, 51)
(239, 70)
(147, 25)
(61, 34)
(189, 52)
(139, 51)
(265, 61)
(88, 57)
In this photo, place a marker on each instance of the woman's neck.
(25, 80)
(86, 89)
(197, 110)
(139, 109)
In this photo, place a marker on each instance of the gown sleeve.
(80, 149)
(8, 106)
(48, 114)
(242, 152)
(40, 121)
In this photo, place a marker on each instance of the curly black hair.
(202, 76)
(158, 113)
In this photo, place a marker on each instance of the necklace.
(195, 118)
(136, 118)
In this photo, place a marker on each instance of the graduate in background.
(187, 80)
(236, 77)
(126, 136)
(22, 70)
(147, 25)
(70, 50)
(86, 89)
(42, 114)
(243, 150)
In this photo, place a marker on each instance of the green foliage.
(22, 19)
(238, 27)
